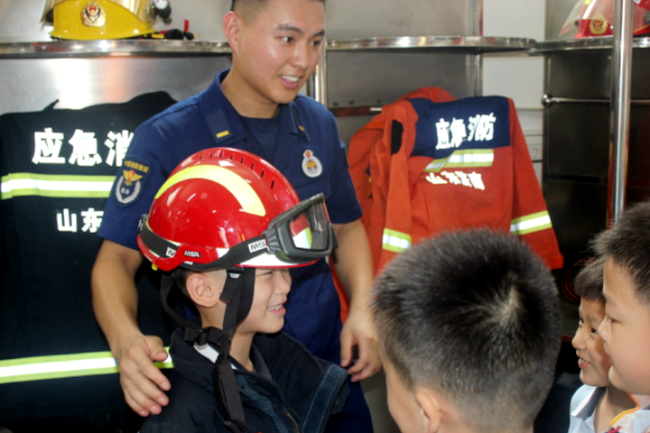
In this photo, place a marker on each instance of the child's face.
(279, 50)
(402, 404)
(267, 311)
(626, 331)
(593, 361)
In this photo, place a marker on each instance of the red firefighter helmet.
(228, 209)
(591, 18)
(222, 198)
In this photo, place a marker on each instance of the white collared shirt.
(635, 422)
(583, 406)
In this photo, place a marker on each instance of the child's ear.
(201, 290)
(232, 30)
(430, 406)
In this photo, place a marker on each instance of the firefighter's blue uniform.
(308, 151)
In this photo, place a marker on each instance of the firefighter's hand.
(142, 382)
(359, 331)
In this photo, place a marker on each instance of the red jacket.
(456, 165)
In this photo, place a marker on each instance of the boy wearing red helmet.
(227, 226)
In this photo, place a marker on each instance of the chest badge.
(311, 165)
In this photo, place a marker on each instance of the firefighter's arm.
(115, 301)
(354, 268)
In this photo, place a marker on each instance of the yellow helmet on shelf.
(99, 19)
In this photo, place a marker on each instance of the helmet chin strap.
(237, 294)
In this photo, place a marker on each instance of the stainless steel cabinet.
(576, 136)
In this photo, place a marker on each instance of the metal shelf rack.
(111, 48)
(152, 47)
(577, 110)
(597, 43)
(468, 44)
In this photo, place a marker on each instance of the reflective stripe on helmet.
(530, 223)
(236, 185)
(49, 185)
(61, 366)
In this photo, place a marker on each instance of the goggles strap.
(154, 242)
(235, 255)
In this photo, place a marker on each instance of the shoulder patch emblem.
(129, 184)
(311, 165)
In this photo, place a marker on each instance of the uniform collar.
(226, 124)
(588, 405)
(211, 352)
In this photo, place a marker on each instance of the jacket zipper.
(294, 422)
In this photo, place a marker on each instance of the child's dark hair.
(179, 275)
(589, 281)
(627, 243)
(474, 316)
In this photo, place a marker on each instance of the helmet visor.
(310, 230)
(573, 20)
(303, 232)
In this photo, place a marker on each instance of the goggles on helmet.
(301, 234)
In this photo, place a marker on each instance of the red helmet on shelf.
(591, 18)
(226, 207)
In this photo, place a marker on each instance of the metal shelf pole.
(320, 79)
(620, 107)
(317, 83)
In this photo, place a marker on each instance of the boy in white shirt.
(625, 248)
(597, 403)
